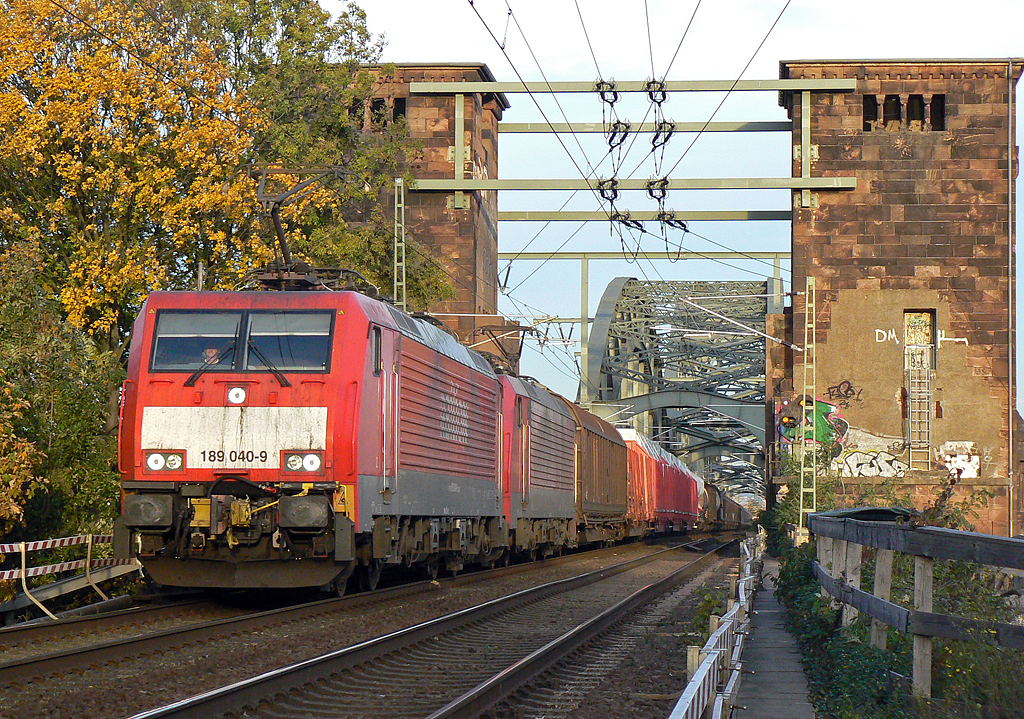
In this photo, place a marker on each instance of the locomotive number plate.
(229, 437)
(234, 456)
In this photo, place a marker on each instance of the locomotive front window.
(189, 340)
(295, 341)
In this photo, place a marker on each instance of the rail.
(840, 541)
(716, 668)
(113, 567)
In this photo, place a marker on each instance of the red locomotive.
(290, 439)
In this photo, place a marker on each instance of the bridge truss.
(679, 361)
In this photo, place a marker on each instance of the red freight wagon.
(281, 439)
(601, 480)
(677, 505)
(538, 448)
(643, 472)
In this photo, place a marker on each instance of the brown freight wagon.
(601, 479)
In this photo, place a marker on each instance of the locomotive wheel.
(369, 575)
(340, 582)
(432, 566)
(505, 559)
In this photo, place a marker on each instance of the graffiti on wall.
(844, 394)
(889, 335)
(876, 463)
(803, 420)
(960, 459)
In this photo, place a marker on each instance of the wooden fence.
(715, 669)
(840, 543)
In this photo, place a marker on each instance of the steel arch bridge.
(678, 360)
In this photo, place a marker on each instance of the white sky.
(723, 37)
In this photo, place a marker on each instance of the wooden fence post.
(883, 588)
(839, 567)
(692, 661)
(825, 558)
(924, 573)
(854, 553)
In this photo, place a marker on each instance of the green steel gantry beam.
(707, 183)
(449, 88)
(645, 127)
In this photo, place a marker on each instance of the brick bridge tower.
(458, 134)
(914, 277)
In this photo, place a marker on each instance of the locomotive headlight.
(311, 462)
(164, 461)
(236, 395)
(304, 462)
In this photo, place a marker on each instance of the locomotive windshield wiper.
(209, 362)
(268, 364)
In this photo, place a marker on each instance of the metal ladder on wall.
(399, 267)
(808, 460)
(919, 401)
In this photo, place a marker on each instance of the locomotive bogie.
(409, 541)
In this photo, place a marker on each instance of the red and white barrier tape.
(56, 543)
(62, 567)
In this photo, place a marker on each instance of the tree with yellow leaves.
(128, 128)
(120, 157)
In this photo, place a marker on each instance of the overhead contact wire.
(733, 87)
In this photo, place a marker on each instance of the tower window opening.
(870, 112)
(915, 112)
(938, 112)
(379, 111)
(892, 112)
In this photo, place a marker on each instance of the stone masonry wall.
(464, 240)
(926, 230)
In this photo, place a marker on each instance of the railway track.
(456, 665)
(40, 650)
(21, 641)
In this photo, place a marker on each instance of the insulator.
(609, 189)
(656, 91)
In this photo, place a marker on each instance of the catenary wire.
(536, 103)
(650, 43)
(729, 92)
(554, 96)
(587, 36)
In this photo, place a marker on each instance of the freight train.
(293, 439)
(721, 513)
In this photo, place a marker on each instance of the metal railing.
(109, 568)
(840, 543)
(715, 669)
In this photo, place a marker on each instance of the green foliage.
(56, 391)
(128, 141)
(315, 80)
(848, 677)
(711, 600)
